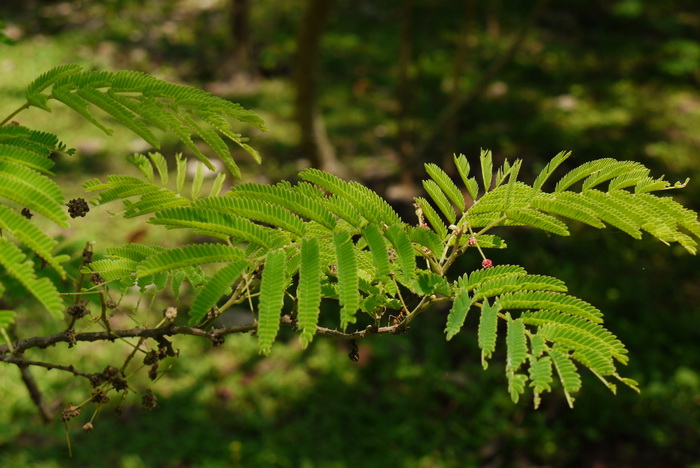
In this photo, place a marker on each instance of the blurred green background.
(396, 83)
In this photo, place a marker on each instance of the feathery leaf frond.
(271, 299)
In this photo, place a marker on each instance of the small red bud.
(487, 263)
(425, 225)
(472, 241)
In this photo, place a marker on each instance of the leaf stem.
(24, 106)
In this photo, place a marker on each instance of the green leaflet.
(139, 101)
(440, 200)
(345, 210)
(538, 345)
(369, 204)
(347, 278)
(540, 377)
(123, 115)
(44, 81)
(509, 283)
(309, 290)
(197, 181)
(293, 200)
(432, 216)
(217, 286)
(29, 188)
(558, 206)
(16, 264)
(214, 222)
(606, 213)
(538, 220)
(568, 375)
(135, 252)
(143, 164)
(404, 252)
(516, 344)
(161, 165)
(549, 169)
(486, 168)
(458, 313)
(257, 210)
(487, 330)
(426, 238)
(427, 283)
(550, 300)
(27, 157)
(572, 329)
(272, 290)
(516, 385)
(629, 179)
(112, 269)
(188, 255)
(446, 184)
(475, 278)
(218, 185)
(610, 171)
(31, 236)
(378, 248)
(581, 172)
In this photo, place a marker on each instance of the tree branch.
(23, 364)
(20, 346)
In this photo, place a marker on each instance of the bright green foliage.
(197, 254)
(347, 278)
(348, 245)
(141, 103)
(458, 313)
(488, 321)
(17, 265)
(326, 238)
(272, 289)
(309, 291)
(217, 286)
(516, 342)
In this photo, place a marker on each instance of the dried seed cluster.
(112, 375)
(78, 310)
(96, 278)
(70, 412)
(78, 207)
(149, 400)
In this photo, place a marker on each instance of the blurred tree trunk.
(314, 142)
(404, 86)
(239, 22)
(463, 99)
(461, 56)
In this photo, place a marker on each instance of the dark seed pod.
(99, 396)
(149, 400)
(70, 412)
(78, 207)
(150, 358)
(96, 278)
(354, 354)
(78, 310)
